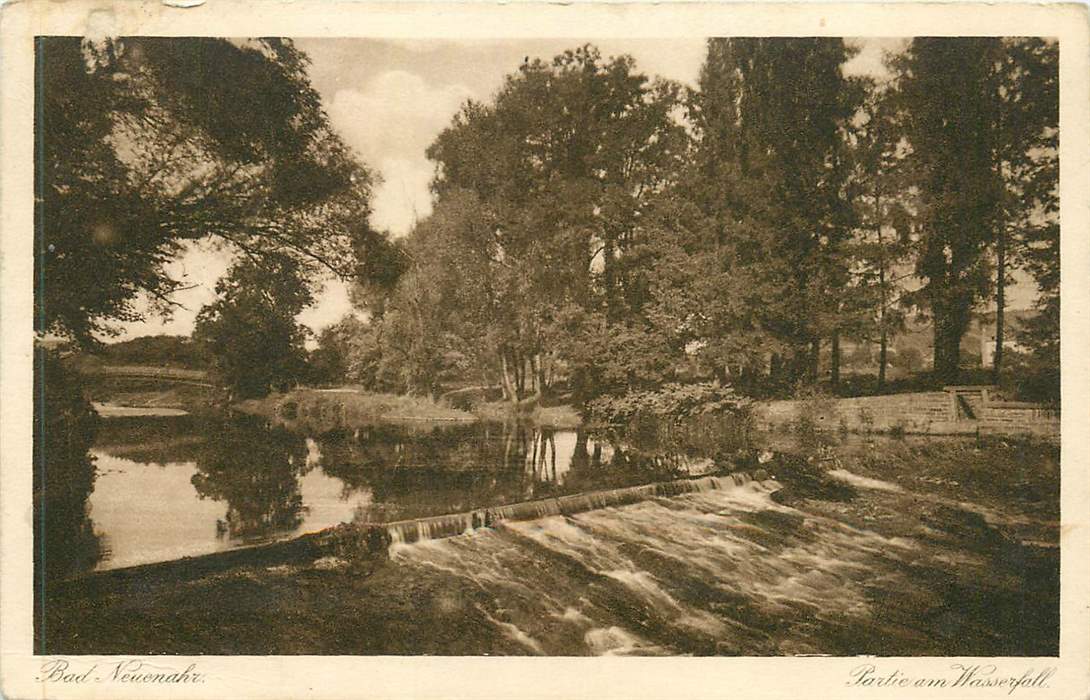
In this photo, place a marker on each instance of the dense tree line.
(593, 227)
(596, 226)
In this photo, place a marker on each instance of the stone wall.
(921, 412)
(929, 413)
(1014, 417)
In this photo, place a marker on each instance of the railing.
(193, 377)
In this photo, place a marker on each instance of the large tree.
(250, 330)
(886, 205)
(563, 165)
(1027, 158)
(981, 117)
(145, 143)
(770, 117)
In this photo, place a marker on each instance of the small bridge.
(165, 375)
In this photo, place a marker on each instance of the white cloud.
(391, 122)
(675, 59)
(403, 198)
(331, 305)
(396, 115)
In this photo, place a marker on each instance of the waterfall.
(419, 529)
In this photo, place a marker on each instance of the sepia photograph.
(680, 346)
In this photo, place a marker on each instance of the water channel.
(728, 565)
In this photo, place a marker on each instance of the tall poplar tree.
(771, 117)
(980, 115)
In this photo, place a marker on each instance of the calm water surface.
(168, 487)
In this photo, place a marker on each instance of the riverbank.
(348, 407)
(559, 417)
(869, 546)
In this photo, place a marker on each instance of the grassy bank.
(556, 417)
(345, 407)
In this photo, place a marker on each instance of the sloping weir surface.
(702, 571)
(406, 531)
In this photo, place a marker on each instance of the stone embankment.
(956, 410)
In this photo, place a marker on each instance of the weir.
(437, 527)
(376, 538)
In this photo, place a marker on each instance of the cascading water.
(408, 531)
(612, 578)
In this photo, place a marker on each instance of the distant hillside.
(154, 351)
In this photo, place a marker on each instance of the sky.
(391, 98)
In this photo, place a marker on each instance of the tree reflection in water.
(256, 471)
(420, 472)
(65, 542)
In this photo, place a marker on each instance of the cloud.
(675, 59)
(331, 305)
(390, 123)
(403, 198)
(397, 114)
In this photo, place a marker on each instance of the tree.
(885, 203)
(770, 118)
(562, 166)
(347, 351)
(947, 94)
(146, 143)
(1026, 157)
(250, 330)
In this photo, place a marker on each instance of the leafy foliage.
(146, 143)
(673, 401)
(251, 331)
(980, 115)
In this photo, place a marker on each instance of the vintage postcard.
(456, 350)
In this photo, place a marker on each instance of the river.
(208, 485)
(855, 545)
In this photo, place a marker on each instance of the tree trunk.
(948, 332)
(580, 457)
(509, 390)
(1000, 300)
(813, 362)
(938, 344)
(607, 277)
(834, 361)
(883, 342)
(542, 376)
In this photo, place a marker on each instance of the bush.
(289, 410)
(672, 401)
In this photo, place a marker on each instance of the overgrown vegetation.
(595, 231)
(607, 233)
(348, 409)
(672, 402)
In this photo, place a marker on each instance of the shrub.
(671, 401)
(288, 410)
